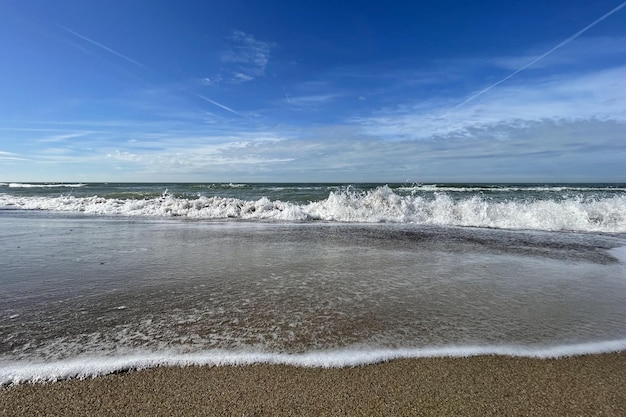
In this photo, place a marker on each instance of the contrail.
(219, 105)
(103, 47)
(534, 61)
(141, 65)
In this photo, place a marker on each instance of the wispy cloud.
(542, 56)
(586, 51)
(247, 50)
(244, 59)
(63, 137)
(10, 156)
(527, 128)
(197, 156)
(596, 95)
(526, 150)
(532, 153)
(310, 100)
(124, 156)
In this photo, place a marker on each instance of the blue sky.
(285, 91)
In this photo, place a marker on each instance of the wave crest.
(381, 204)
(52, 185)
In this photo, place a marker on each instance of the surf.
(382, 204)
(90, 366)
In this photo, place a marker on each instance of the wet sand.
(593, 385)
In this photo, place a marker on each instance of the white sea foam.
(505, 189)
(92, 366)
(51, 185)
(382, 204)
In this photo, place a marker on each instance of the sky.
(323, 91)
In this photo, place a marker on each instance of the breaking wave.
(382, 204)
(507, 188)
(51, 185)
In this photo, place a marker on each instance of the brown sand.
(592, 385)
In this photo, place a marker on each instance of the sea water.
(97, 278)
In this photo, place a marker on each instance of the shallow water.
(77, 286)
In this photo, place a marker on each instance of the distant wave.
(92, 366)
(50, 185)
(382, 204)
(221, 185)
(505, 188)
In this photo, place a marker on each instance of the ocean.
(100, 278)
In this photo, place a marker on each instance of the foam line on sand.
(590, 385)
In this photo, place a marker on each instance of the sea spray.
(535, 208)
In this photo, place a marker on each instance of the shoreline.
(475, 386)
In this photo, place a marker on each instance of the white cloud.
(532, 153)
(242, 77)
(244, 59)
(567, 126)
(522, 151)
(248, 50)
(124, 156)
(311, 100)
(598, 95)
(63, 137)
(211, 81)
(10, 156)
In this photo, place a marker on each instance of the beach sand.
(593, 385)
